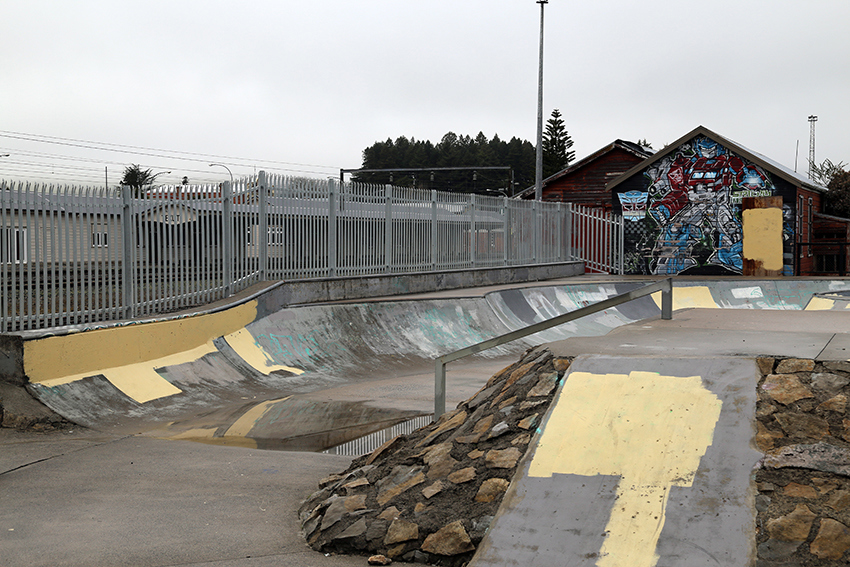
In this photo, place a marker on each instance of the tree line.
(465, 151)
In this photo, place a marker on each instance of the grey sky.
(309, 85)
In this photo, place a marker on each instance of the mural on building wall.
(689, 216)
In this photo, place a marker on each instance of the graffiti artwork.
(692, 215)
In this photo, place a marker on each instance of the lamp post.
(225, 167)
(538, 171)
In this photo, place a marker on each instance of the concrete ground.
(82, 498)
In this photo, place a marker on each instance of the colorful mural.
(689, 215)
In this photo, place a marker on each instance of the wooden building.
(585, 181)
(682, 208)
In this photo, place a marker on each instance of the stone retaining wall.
(803, 499)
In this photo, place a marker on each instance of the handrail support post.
(439, 388)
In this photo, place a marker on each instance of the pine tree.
(556, 146)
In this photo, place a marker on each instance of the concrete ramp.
(640, 462)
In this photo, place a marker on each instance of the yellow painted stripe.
(243, 426)
(820, 304)
(86, 353)
(243, 343)
(140, 381)
(649, 430)
(689, 297)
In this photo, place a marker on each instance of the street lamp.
(225, 167)
(538, 171)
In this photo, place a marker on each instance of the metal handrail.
(664, 286)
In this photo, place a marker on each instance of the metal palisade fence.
(75, 255)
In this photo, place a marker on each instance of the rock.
(504, 459)
(836, 403)
(544, 386)
(439, 461)
(451, 539)
(793, 527)
(795, 490)
(401, 530)
(499, 429)
(401, 478)
(377, 530)
(765, 365)
(480, 527)
(447, 422)
(766, 487)
(824, 485)
(508, 402)
(561, 364)
(528, 422)
(398, 550)
(832, 541)
(821, 457)
(785, 388)
(356, 529)
(533, 404)
(846, 433)
(491, 489)
(517, 374)
(478, 430)
(523, 439)
(379, 560)
(420, 507)
(765, 438)
(803, 425)
(481, 396)
(383, 449)
(777, 550)
(506, 410)
(389, 514)
(475, 454)
(341, 507)
(765, 409)
(332, 479)
(792, 365)
(762, 503)
(463, 475)
(839, 501)
(354, 485)
(432, 490)
(829, 382)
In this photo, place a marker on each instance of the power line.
(111, 147)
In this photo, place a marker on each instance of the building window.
(13, 245)
(99, 237)
(276, 235)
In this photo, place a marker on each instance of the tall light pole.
(812, 120)
(225, 167)
(538, 170)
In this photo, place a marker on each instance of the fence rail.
(73, 255)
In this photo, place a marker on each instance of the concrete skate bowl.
(312, 377)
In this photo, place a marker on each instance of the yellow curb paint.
(648, 429)
(90, 351)
(697, 296)
(820, 304)
(762, 230)
(243, 343)
(243, 426)
(140, 381)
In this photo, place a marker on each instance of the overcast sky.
(302, 87)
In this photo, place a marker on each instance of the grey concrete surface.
(707, 522)
(81, 499)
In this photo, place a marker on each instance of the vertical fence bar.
(333, 206)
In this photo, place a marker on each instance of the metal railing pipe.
(664, 286)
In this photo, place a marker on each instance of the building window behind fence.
(99, 236)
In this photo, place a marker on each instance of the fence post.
(388, 228)
(434, 229)
(569, 231)
(538, 232)
(506, 228)
(473, 234)
(333, 197)
(439, 389)
(227, 237)
(264, 225)
(128, 278)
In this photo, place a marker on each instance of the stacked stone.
(803, 503)
(430, 496)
